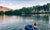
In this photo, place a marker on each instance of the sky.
(17, 4)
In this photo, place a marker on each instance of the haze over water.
(19, 22)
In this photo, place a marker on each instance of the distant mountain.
(4, 9)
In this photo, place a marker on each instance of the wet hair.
(35, 24)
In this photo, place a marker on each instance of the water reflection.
(49, 19)
(19, 22)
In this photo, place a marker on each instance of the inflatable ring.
(29, 27)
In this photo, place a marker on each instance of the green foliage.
(9, 12)
(28, 10)
(1, 13)
(45, 7)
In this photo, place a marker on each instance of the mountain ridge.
(4, 8)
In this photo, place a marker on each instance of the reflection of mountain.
(4, 8)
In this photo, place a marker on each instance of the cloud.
(42, 3)
(48, 1)
(10, 4)
(2, 1)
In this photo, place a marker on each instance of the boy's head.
(35, 24)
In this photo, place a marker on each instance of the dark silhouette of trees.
(46, 8)
(29, 10)
(1, 13)
(9, 12)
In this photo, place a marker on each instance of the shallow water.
(19, 22)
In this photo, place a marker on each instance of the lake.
(19, 22)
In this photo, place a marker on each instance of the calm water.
(19, 22)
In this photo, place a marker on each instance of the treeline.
(1, 13)
(30, 10)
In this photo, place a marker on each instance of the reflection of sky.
(11, 22)
(15, 4)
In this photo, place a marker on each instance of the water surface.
(19, 22)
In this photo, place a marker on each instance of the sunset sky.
(17, 4)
